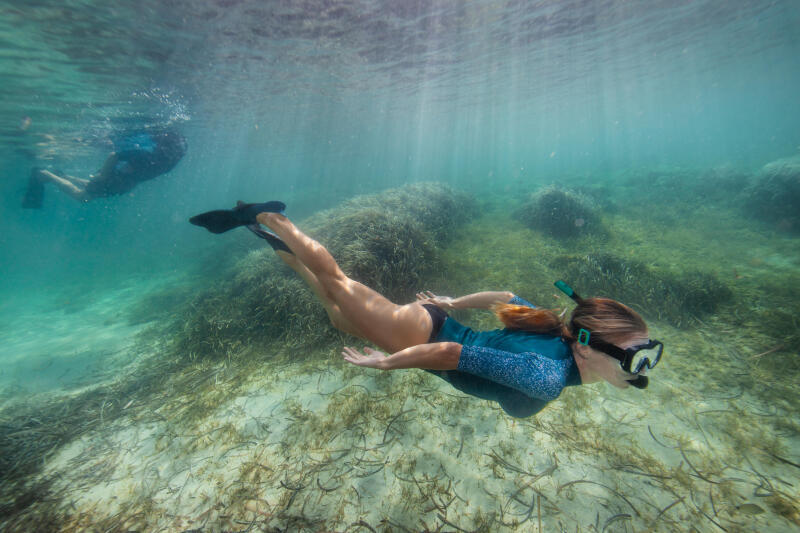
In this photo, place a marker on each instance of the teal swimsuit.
(520, 370)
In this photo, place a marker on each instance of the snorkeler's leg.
(80, 182)
(66, 186)
(334, 313)
(287, 256)
(388, 325)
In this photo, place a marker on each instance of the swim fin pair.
(222, 220)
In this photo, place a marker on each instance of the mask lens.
(646, 357)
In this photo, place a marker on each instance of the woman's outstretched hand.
(444, 302)
(370, 358)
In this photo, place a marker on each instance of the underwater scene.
(221, 218)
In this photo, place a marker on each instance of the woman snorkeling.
(138, 156)
(522, 367)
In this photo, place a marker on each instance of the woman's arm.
(478, 300)
(433, 356)
(535, 375)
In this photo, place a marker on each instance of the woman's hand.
(444, 302)
(370, 358)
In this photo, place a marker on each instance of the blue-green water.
(316, 102)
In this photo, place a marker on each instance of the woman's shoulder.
(550, 346)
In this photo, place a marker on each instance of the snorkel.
(624, 357)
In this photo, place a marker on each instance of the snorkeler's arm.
(431, 356)
(482, 300)
(478, 300)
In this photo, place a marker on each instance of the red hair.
(606, 319)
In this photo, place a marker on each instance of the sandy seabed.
(295, 446)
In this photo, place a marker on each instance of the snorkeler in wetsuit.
(138, 156)
(522, 366)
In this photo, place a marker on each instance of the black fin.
(222, 220)
(273, 240)
(218, 221)
(34, 194)
(250, 211)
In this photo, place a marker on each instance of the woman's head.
(607, 320)
(610, 322)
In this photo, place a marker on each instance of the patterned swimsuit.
(520, 370)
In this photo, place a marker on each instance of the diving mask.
(633, 359)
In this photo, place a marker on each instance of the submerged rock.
(774, 194)
(560, 213)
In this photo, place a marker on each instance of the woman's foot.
(249, 212)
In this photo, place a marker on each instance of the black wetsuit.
(141, 156)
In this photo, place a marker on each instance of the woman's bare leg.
(334, 313)
(390, 326)
(80, 182)
(66, 186)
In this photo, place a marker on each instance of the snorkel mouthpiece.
(640, 382)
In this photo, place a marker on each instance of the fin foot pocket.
(273, 240)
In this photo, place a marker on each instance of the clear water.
(316, 102)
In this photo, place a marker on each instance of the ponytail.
(542, 321)
(606, 319)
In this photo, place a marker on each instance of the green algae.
(675, 297)
(774, 194)
(721, 395)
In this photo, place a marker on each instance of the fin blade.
(34, 194)
(222, 220)
(217, 221)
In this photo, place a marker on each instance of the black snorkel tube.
(566, 289)
(641, 381)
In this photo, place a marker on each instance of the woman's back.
(507, 340)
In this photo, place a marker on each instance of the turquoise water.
(662, 112)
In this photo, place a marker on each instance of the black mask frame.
(625, 356)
